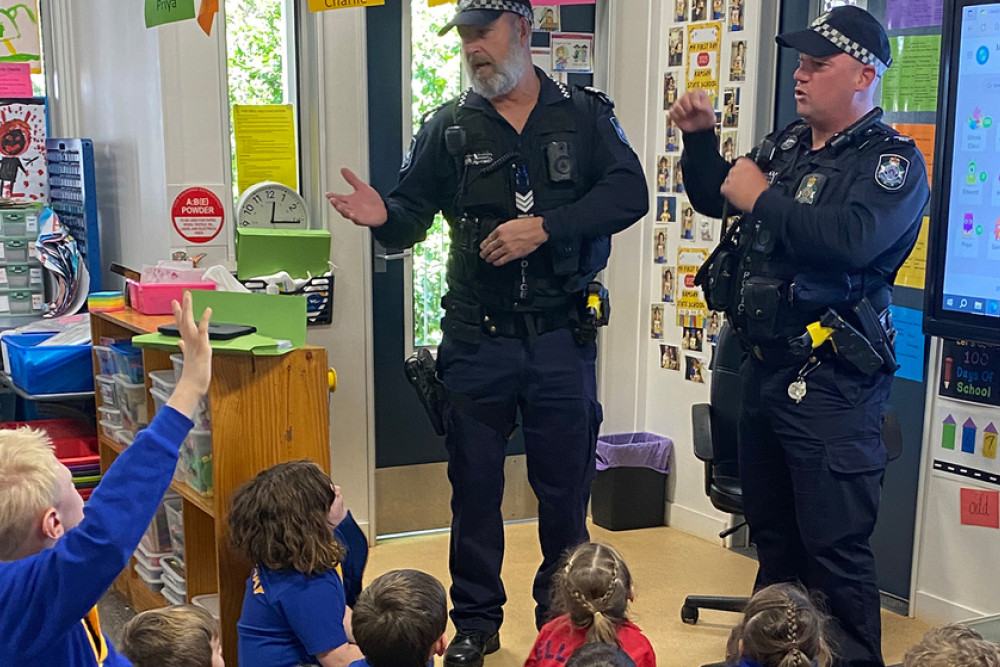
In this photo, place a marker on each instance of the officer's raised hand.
(512, 240)
(363, 207)
(744, 184)
(693, 112)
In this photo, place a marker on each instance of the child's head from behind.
(594, 587)
(177, 636)
(781, 627)
(399, 620)
(600, 654)
(38, 504)
(284, 518)
(953, 646)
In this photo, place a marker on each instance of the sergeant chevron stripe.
(525, 202)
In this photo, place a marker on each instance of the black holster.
(878, 329)
(421, 371)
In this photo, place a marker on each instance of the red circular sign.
(197, 215)
(703, 59)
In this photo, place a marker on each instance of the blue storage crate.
(57, 369)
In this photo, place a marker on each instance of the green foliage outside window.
(436, 78)
(254, 33)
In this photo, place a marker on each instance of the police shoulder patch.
(891, 171)
(599, 94)
(620, 131)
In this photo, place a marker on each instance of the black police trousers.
(553, 385)
(812, 476)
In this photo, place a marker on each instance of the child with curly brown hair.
(294, 609)
(590, 594)
(781, 627)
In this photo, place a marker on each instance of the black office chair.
(715, 433)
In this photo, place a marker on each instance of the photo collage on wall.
(705, 45)
(556, 50)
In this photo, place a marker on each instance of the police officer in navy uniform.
(533, 177)
(832, 207)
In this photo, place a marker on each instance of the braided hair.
(593, 587)
(781, 627)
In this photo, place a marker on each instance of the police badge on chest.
(809, 188)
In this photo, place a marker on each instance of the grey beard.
(506, 77)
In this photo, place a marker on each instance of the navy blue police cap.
(482, 12)
(846, 29)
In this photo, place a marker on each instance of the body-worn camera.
(561, 165)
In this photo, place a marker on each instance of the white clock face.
(270, 205)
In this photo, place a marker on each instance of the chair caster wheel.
(689, 614)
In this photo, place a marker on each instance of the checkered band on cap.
(497, 5)
(848, 45)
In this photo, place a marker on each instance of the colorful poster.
(914, 270)
(691, 306)
(24, 175)
(704, 46)
(963, 440)
(923, 134)
(265, 144)
(20, 34)
(970, 372)
(546, 18)
(572, 52)
(15, 81)
(901, 14)
(911, 84)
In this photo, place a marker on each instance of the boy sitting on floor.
(56, 559)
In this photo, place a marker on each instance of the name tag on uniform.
(809, 188)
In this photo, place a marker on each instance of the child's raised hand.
(197, 351)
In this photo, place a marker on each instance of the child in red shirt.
(591, 593)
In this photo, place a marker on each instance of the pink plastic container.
(155, 298)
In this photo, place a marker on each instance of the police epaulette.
(903, 139)
(431, 112)
(599, 94)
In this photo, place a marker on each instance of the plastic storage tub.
(111, 416)
(24, 301)
(105, 360)
(128, 360)
(174, 574)
(75, 443)
(170, 595)
(125, 437)
(151, 576)
(196, 457)
(178, 361)
(53, 369)
(17, 248)
(175, 524)
(155, 298)
(209, 601)
(163, 381)
(106, 386)
(132, 400)
(156, 541)
(159, 399)
(20, 276)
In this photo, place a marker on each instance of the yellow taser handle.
(594, 303)
(819, 333)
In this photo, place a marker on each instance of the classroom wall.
(636, 393)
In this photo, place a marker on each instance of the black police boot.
(468, 648)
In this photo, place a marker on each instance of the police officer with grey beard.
(831, 208)
(533, 177)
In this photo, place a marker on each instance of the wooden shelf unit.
(264, 410)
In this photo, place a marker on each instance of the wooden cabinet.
(264, 410)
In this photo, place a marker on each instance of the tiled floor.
(666, 566)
